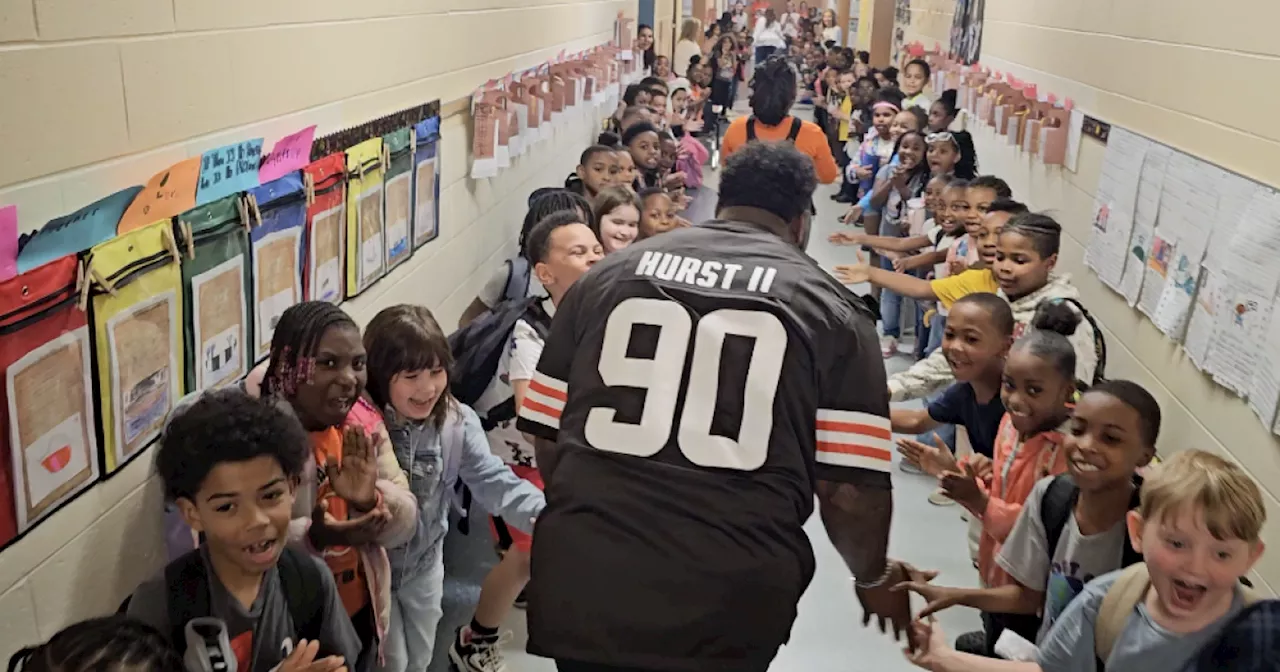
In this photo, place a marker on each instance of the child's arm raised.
(893, 243)
(906, 285)
(1011, 599)
(911, 421)
(493, 484)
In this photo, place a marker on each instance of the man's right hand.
(886, 602)
(303, 659)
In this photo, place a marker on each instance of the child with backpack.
(1072, 528)
(1198, 527)
(439, 443)
(107, 644)
(512, 280)
(561, 249)
(1038, 384)
(231, 465)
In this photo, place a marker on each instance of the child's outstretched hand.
(930, 641)
(328, 531)
(935, 460)
(355, 479)
(981, 465)
(852, 274)
(962, 486)
(936, 597)
(854, 214)
(303, 659)
(847, 238)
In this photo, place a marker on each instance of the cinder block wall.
(97, 96)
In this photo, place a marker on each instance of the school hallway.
(828, 635)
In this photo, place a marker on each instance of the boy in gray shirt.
(1199, 528)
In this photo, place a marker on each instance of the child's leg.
(395, 654)
(890, 312)
(502, 586)
(419, 601)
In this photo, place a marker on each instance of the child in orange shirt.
(1037, 389)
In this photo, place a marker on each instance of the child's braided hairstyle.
(109, 644)
(294, 344)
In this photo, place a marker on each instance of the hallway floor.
(828, 635)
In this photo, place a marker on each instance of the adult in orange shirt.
(773, 94)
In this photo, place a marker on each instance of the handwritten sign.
(290, 153)
(228, 170)
(168, 193)
(76, 232)
(8, 241)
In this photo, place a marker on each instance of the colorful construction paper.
(168, 193)
(8, 242)
(228, 170)
(292, 152)
(76, 232)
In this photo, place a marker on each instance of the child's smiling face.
(1105, 443)
(658, 216)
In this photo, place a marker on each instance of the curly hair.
(772, 176)
(551, 201)
(109, 644)
(227, 426)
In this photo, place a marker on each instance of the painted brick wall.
(97, 96)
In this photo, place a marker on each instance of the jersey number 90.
(661, 379)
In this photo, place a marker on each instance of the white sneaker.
(909, 467)
(940, 498)
(473, 653)
(888, 346)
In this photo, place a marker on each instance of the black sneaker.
(521, 602)
(972, 642)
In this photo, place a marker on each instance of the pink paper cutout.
(8, 241)
(292, 152)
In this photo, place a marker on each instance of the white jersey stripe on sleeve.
(555, 388)
(840, 459)
(535, 414)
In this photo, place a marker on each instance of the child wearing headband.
(877, 148)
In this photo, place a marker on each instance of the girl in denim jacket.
(437, 441)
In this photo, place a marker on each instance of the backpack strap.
(751, 129)
(187, 585)
(300, 581)
(1056, 505)
(1117, 605)
(796, 125)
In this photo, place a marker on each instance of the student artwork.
(398, 192)
(76, 232)
(136, 303)
(48, 420)
(228, 170)
(326, 229)
(426, 181)
(167, 194)
(215, 243)
(484, 141)
(366, 256)
(8, 241)
(290, 153)
(277, 242)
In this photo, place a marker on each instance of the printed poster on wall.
(276, 280)
(144, 370)
(327, 232)
(218, 317)
(51, 427)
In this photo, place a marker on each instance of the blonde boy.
(1198, 529)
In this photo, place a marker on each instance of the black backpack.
(1056, 509)
(477, 349)
(187, 595)
(796, 125)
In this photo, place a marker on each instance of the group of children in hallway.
(322, 485)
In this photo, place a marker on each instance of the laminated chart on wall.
(1115, 206)
(397, 192)
(49, 431)
(426, 181)
(326, 182)
(279, 249)
(136, 312)
(167, 194)
(76, 232)
(365, 231)
(214, 240)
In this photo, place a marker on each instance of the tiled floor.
(828, 636)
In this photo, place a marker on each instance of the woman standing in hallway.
(643, 47)
(830, 31)
(768, 36)
(687, 47)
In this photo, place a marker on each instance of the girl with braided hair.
(358, 503)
